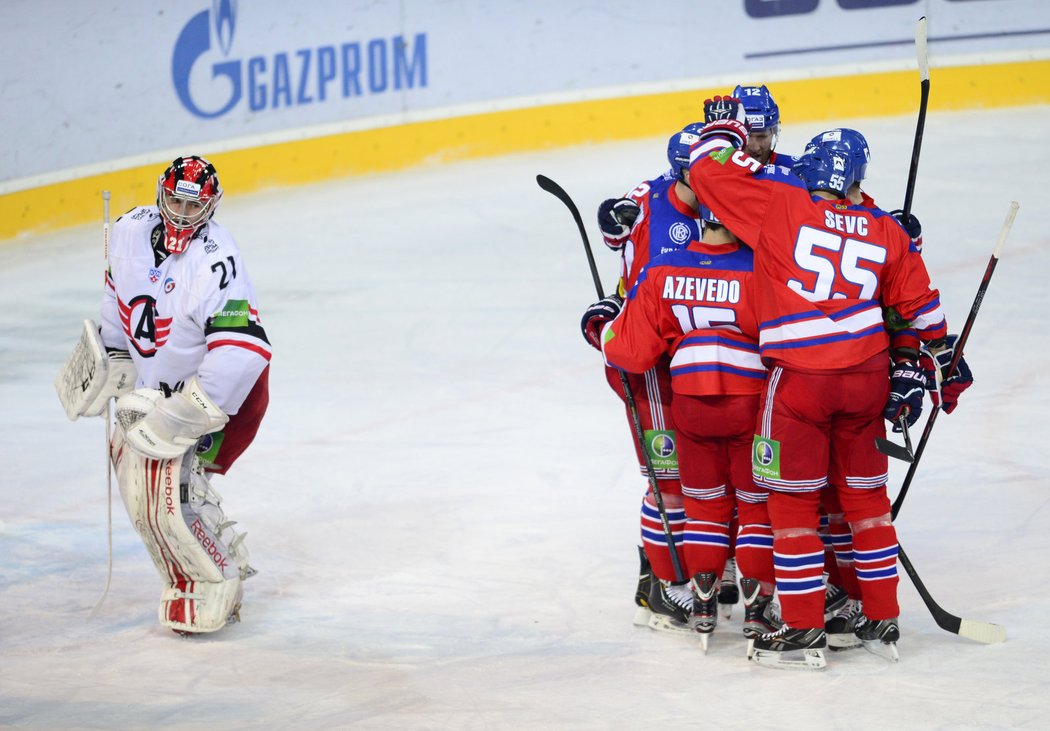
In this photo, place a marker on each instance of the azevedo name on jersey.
(701, 289)
(287, 78)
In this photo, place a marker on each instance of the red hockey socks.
(754, 552)
(875, 559)
(654, 540)
(798, 558)
(706, 546)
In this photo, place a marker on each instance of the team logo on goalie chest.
(143, 326)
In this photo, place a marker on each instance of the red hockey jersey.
(666, 223)
(696, 304)
(823, 269)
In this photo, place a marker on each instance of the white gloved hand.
(164, 428)
(120, 378)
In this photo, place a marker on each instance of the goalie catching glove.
(166, 427)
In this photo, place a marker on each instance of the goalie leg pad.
(200, 557)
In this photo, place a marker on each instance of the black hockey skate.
(879, 636)
(840, 627)
(705, 605)
(728, 592)
(834, 599)
(760, 614)
(790, 649)
(671, 606)
(641, 594)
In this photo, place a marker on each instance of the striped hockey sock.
(706, 546)
(754, 552)
(875, 558)
(655, 541)
(799, 564)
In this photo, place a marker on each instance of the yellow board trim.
(838, 98)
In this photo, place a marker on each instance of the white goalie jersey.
(183, 315)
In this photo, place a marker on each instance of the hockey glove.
(724, 117)
(912, 226)
(120, 378)
(947, 397)
(907, 387)
(597, 315)
(616, 216)
(165, 428)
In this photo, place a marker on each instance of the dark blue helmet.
(762, 111)
(707, 216)
(849, 140)
(821, 168)
(679, 145)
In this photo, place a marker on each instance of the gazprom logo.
(210, 80)
(756, 121)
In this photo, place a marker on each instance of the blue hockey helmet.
(762, 112)
(850, 141)
(679, 145)
(821, 168)
(707, 217)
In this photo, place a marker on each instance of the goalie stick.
(558, 192)
(887, 447)
(959, 344)
(109, 433)
(984, 632)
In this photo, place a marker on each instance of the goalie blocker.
(90, 376)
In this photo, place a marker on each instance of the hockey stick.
(109, 422)
(558, 192)
(924, 100)
(973, 629)
(959, 343)
(892, 449)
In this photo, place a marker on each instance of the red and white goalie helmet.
(188, 193)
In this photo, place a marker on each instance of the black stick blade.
(892, 449)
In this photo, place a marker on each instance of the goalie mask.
(187, 194)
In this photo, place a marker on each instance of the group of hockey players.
(769, 317)
(182, 350)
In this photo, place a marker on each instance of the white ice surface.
(442, 501)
